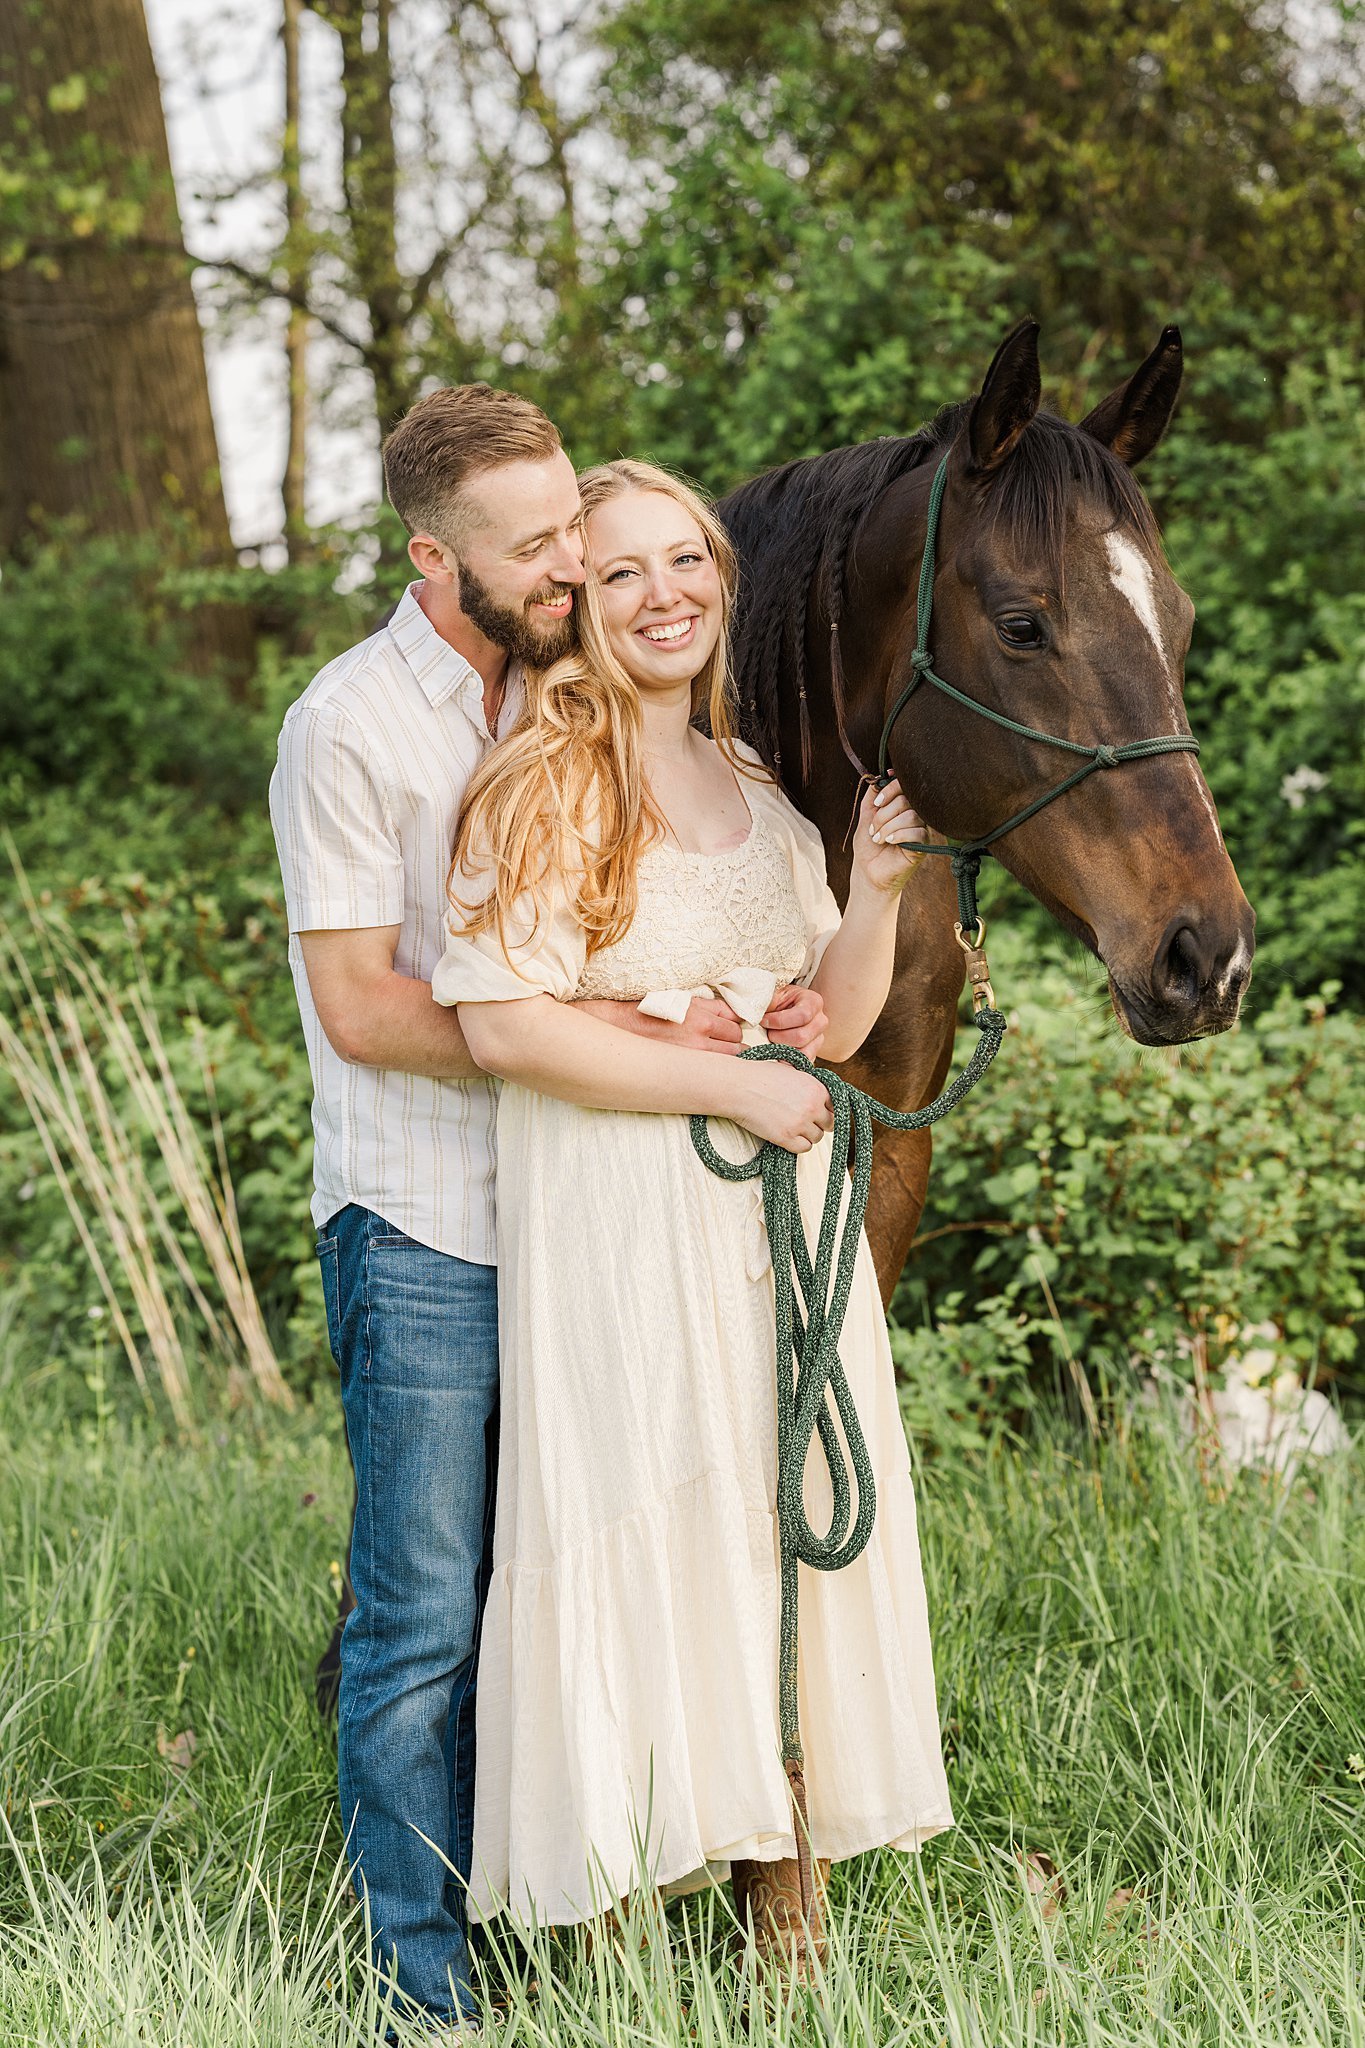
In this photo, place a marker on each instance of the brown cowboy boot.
(768, 1899)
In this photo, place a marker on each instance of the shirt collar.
(441, 670)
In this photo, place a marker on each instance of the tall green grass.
(1152, 1693)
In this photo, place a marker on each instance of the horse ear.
(1008, 397)
(1132, 419)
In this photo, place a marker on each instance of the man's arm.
(375, 1017)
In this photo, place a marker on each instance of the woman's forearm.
(559, 1049)
(854, 976)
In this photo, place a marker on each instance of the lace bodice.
(700, 916)
(762, 911)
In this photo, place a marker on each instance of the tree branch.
(267, 287)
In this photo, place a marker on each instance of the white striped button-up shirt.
(374, 761)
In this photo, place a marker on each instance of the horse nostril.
(1179, 969)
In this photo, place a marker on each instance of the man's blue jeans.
(415, 1335)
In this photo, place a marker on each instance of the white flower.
(1259, 1361)
(1253, 1366)
(1300, 784)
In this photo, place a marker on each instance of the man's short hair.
(450, 437)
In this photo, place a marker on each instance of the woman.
(627, 1706)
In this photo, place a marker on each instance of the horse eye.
(1019, 630)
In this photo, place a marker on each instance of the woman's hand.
(779, 1103)
(887, 846)
(797, 1018)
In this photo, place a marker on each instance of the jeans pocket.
(329, 1265)
(387, 1236)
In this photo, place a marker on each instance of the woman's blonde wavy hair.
(563, 800)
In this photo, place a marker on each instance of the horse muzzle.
(1195, 983)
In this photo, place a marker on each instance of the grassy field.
(1154, 1697)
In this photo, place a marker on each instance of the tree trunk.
(369, 172)
(104, 402)
(296, 334)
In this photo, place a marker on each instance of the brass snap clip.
(978, 968)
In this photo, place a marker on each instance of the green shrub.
(1261, 486)
(95, 688)
(1157, 1198)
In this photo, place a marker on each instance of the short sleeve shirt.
(374, 761)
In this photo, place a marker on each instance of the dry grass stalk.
(206, 1194)
(51, 1044)
(100, 1174)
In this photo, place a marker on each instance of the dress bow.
(748, 990)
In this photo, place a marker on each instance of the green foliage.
(966, 1373)
(1153, 1198)
(94, 683)
(1261, 484)
(136, 795)
(874, 325)
(1110, 154)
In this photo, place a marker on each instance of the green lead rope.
(812, 1295)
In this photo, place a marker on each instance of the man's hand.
(709, 1026)
(797, 1018)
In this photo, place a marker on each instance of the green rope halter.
(966, 858)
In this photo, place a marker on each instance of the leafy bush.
(966, 1372)
(878, 324)
(94, 686)
(1154, 1198)
(1261, 486)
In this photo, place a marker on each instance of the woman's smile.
(671, 633)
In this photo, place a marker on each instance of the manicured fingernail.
(876, 838)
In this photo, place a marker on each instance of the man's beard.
(513, 629)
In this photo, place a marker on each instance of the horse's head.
(1054, 605)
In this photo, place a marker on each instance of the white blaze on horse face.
(1131, 573)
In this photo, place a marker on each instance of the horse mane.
(795, 525)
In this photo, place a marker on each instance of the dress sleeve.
(805, 851)
(541, 953)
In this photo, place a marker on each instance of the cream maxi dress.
(627, 1694)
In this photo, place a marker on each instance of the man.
(373, 763)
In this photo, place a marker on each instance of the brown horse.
(1052, 604)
